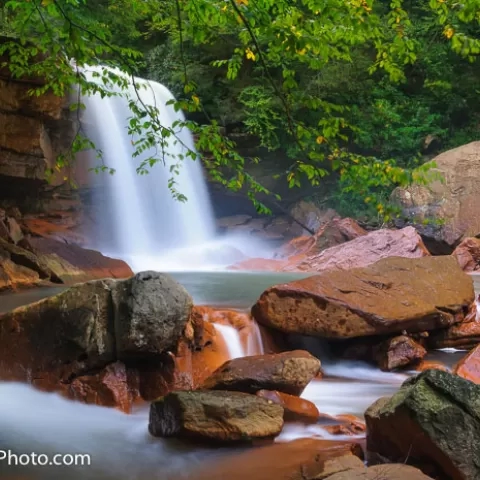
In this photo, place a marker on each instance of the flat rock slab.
(288, 372)
(215, 416)
(393, 295)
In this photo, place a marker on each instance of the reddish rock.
(366, 250)
(399, 352)
(469, 366)
(332, 233)
(304, 459)
(90, 262)
(362, 251)
(463, 335)
(429, 365)
(468, 254)
(215, 415)
(108, 388)
(391, 296)
(288, 372)
(14, 276)
(345, 424)
(296, 409)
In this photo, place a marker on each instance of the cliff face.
(43, 220)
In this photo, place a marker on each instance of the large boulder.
(151, 312)
(446, 211)
(63, 335)
(307, 254)
(288, 372)
(391, 296)
(366, 250)
(216, 416)
(432, 422)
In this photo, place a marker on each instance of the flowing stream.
(119, 444)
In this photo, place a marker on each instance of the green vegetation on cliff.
(359, 89)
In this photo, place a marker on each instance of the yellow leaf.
(320, 139)
(196, 100)
(250, 55)
(242, 2)
(224, 8)
(449, 32)
(303, 51)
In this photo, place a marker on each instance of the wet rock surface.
(468, 254)
(305, 459)
(216, 416)
(296, 409)
(70, 342)
(288, 372)
(393, 295)
(469, 366)
(399, 352)
(435, 419)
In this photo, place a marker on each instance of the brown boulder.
(468, 254)
(391, 296)
(469, 366)
(431, 423)
(288, 372)
(366, 250)
(398, 352)
(108, 388)
(63, 335)
(446, 212)
(304, 459)
(214, 415)
(296, 409)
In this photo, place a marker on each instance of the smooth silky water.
(119, 444)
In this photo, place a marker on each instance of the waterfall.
(232, 339)
(141, 220)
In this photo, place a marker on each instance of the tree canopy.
(333, 87)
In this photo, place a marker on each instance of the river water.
(119, 444)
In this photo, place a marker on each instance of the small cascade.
(232, 339)
(254, 341)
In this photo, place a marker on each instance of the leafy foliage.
(349, 88)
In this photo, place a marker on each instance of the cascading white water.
(232, 340)
(142, 217)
